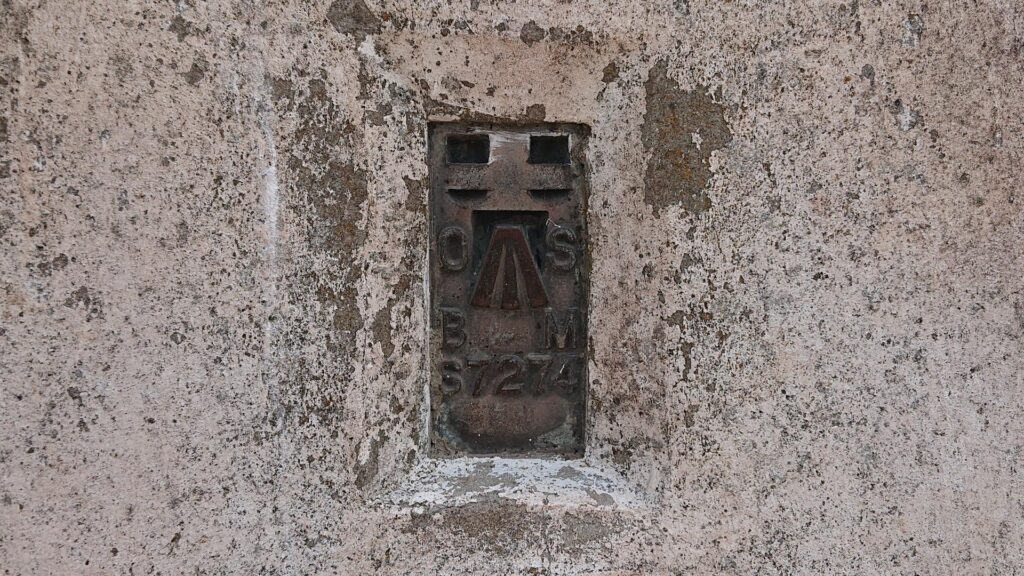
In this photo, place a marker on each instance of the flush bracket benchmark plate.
(509, 288)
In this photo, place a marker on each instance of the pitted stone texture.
(805, 329)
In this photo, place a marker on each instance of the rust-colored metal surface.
(508, 288)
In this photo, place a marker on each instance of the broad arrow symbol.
(509, 278)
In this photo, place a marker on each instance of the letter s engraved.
(562, 244)
(451, 376)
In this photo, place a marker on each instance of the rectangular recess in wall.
(509, 289)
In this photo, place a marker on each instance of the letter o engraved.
(562, 242)
(453, 248)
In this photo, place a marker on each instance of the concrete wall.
(806, 297)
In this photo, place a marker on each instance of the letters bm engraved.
(509, 288)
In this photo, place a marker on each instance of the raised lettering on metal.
(509, 288)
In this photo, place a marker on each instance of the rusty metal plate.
(509, 288)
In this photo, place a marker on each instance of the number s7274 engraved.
(512, 374)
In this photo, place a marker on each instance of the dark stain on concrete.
(578, 36)
(14, 21)
(367, 81)
(7, 220)
(610, 73)
(181, 234)
(181, 27)
(121, 64)
(501, 526)
(76, 395)
(867, 72)
(579, 532)
(82, 298)
(380, 115)
(625, 453)
(353, 17)
(689, 415)
(335, 189)
(677, 319)
(679, 170)
(906, 117)
(47, 267)
(281, 90)
(531, 33)
(496, 524)
(334, 229)
(381, 329)
(381, 326)
(414, 201)
(686, 349)
(913, 29)
(365, 473)
(197, 71)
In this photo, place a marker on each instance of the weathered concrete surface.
(807, 285)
